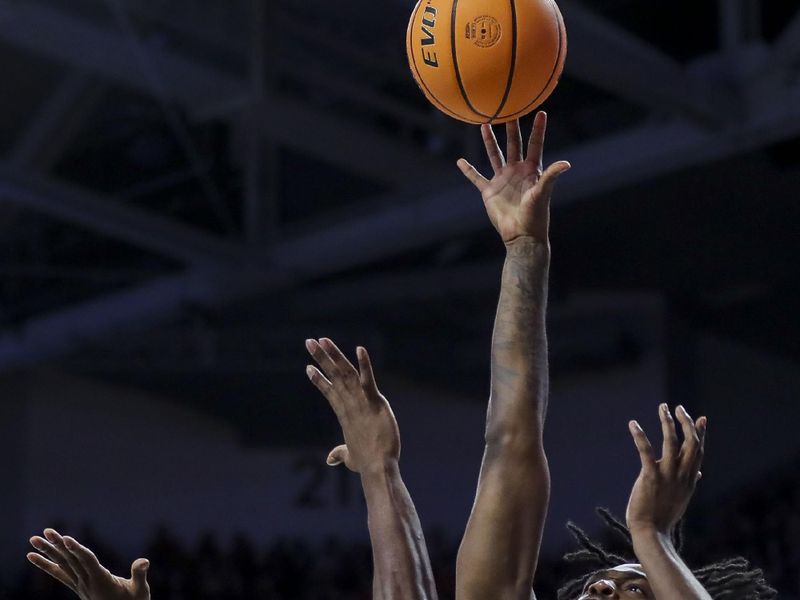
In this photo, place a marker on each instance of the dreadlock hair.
(729, 579)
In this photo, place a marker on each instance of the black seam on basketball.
(560, 22)
(455, 61)
(510, 81)
(418, 78)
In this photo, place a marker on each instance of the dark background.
(189, 189)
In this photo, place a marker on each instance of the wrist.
(384, 468)
(527, 245)
(649, 532)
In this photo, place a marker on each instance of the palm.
(511, 200)
(111, 587)
(375, 434)
(517, 198)
(645, 495)
(369, 426)
(664, 487)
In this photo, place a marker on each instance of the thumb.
(139, 570)
(338, 455)
(548, 179)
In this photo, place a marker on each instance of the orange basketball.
(486, 61)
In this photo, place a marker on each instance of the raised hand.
(74, 565)
(372, 449)
(371, 435)
(665, 486)
(517, 197)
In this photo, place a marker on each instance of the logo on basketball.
(484, 31)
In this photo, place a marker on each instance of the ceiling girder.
(62, 37)
(615, 161)
(111, 218)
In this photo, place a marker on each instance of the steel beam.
(49, 119)
(610, 58)
(787, 48)
(777, 64)
(110, 218)
(600, 166)
(59, 36)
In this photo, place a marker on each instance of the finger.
(338, 455)
(492, 149)
(53, 554)
(691, 441)
(642, 445)
(326, 388)
(346, 370)
(139, 570)
(699, 475)
(319, 380)
(536, 141)
(57, 541)
(669, 447)
(323, 360)
(548, 180)
(52, 569)
(365, 370)
(701, 426)
(86, 557)
(513, 142)
(471, 173)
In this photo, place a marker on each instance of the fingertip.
(141, 564)
(309, 371)
(310, 344)
(634, 426)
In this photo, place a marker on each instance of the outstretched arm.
(659, 499)
(372, 449)
(74, 565)
(500, 549)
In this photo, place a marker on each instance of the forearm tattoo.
(519, 342)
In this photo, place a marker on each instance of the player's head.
(617, 583)
(618, 577)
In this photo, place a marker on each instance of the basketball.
(486, 61)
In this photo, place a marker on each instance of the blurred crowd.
(761, 522)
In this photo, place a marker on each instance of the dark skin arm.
(498, 555)
(372, 449)
(659, 499)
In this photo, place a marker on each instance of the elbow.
(508, 444)
(520, 434)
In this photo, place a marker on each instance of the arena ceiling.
(190, 188)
